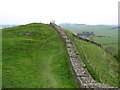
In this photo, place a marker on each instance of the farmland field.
(110, 43)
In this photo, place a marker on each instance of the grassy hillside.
(110, 44)
(34, 56)
(102, 66)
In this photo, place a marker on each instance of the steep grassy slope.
(102, 66)
(34, 56)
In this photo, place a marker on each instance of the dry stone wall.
(87, 40)
(81, 74)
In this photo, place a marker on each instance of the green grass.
(101, 65)
(37, 60)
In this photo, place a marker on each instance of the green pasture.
(34, 56)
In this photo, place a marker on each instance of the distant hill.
(116, 28)
(6, 26)
(69, 24)
(110, 31)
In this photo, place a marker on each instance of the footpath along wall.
(81, 74)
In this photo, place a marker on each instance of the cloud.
(74, 11)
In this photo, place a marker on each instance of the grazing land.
(110, 43)
(34, 56)
(101, 65)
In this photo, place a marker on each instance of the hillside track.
(49, 69)
(37, 59)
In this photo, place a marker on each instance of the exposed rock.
(28, 33)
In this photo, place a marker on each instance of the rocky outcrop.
(81, 74)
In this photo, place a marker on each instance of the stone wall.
(87, 40)
(81, 74)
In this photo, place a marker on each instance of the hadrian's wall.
(87, 40)
(81, 74)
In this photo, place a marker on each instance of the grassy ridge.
(34, 56)
(102, 66)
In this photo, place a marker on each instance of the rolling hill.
(110, 44)
(34, 56)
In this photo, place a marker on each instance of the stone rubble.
(81, 74)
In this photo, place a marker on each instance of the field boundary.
(84, 39)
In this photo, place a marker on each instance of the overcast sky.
(62, 11)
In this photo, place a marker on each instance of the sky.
(62, 11)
